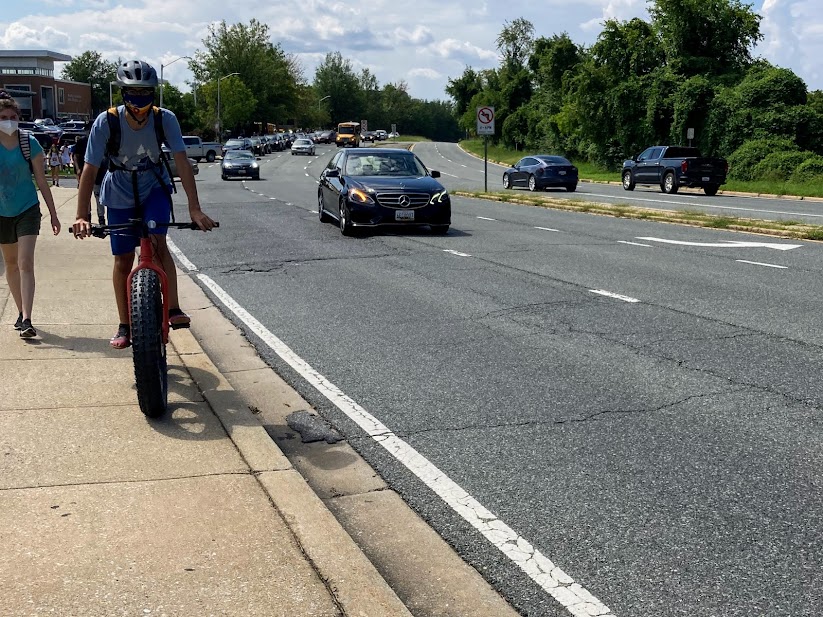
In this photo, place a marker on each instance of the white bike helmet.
(137, 74)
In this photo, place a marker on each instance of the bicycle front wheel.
(150, 369)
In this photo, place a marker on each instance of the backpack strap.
(113, 144)
(25, 144)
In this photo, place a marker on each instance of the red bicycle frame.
(146, 260)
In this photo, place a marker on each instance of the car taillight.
(684, 165)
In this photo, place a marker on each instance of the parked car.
(198, 149)
(302, 146)
(370, 187)
(541, 171)
(240, 143)
(671, 167)
(195, 168)
(240, 164)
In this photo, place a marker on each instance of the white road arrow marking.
(729, 244)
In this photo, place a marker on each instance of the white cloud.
(463, 51)
(425, 73)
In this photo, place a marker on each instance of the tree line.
(647, 82)
(261, 85)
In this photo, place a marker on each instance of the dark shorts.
(156, 208)
(27, 223)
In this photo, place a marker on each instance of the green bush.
(742, 162)
(779, 166)
(810, 170)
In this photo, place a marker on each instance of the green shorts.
(27, 223)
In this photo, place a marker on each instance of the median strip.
(784, 229)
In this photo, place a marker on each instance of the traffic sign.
(485, 120)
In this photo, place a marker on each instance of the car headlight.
(255, 165)
(360, 196)
(438, 198)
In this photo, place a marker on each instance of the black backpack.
(113, 149)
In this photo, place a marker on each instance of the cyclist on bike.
(137, 183)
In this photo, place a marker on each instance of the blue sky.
(423, 43)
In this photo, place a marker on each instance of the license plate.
(706, 178)
(242, 172)
(404, 215)
(562, 173)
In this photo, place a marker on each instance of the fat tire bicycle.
(147, 288)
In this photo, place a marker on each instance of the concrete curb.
(352, 580)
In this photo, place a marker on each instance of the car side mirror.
(258, 158)
(333, 173)
(435, 173)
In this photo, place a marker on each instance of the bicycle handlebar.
(101, 231)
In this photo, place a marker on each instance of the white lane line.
(458, 253)
(542, 570)
(547, 229)
(180, 256)
(486, 218)
(710, 206)
(757, 263)
(634, 243)
(610, 294)
(447, 174)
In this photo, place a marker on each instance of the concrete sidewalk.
(103, 512)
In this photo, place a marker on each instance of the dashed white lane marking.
(610, 294)
(458, 253)
(486, 218)
(634, 243)
(450, 175)
(542, 570)
(547, 229)
(709, 206)
(757, 263)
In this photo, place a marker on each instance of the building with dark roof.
(28, 75)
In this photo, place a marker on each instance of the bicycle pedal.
(178, 326)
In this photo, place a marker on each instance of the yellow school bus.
(348, 134)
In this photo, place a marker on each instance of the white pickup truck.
(198, 149)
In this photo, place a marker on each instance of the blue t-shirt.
(17, 191)
(138, 152)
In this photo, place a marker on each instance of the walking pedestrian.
(54, 164)
(20, 209)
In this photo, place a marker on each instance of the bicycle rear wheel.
(150, 369)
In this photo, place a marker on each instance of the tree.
(706, 37)
(515, 42)
(90, 67)
(463, 89)
(263, 67)
(335, 77)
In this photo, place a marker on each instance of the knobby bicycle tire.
(150, 370)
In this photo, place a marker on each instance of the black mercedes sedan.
(373, 187)
(541, 171)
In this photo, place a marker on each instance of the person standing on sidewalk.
(137, 180)
(20, 210)
(55, 164)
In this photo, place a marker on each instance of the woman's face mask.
(8, 126)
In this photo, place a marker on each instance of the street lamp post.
(328, 96)
(111, 97)
(219, 125)
(162, 83)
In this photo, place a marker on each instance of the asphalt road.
(638, 401)
(463, 171)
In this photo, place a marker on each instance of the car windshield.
(239, 154)
(233, 143)
(346, 130)
(554, 160)
(384, 165)
(302, 142)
